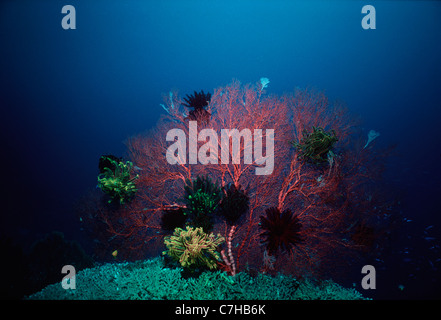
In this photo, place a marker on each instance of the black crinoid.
(281, 230)
(234, 203)
(197, 102)
(172, 217)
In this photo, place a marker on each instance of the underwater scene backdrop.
(220, 149)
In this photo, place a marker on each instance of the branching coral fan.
(325, 200)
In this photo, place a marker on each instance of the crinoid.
(234, 203)
(201, 199)
(198, 102)
(315, 146)
(172, 217)
(108, 161)
(116, 179)
(193, 247)
(281, 230)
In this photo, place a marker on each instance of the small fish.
(115, 253)
(429, 227)
(429, 238)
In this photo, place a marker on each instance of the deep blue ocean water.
(69, 96)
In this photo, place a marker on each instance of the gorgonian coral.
(329, 201)
(281, 230)
(315, 146)
(193, 247)
(117, 181)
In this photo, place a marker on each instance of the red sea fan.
(281, 230)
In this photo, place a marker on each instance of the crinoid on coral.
(234, 203)
(315, 146)
(201, 199)
(193, 248)
(281, 230)
(116, 180)
(198, 102)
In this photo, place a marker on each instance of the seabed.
(152, 280)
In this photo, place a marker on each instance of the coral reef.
(326, 200)
(151, 280)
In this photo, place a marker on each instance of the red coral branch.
(229, 261)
